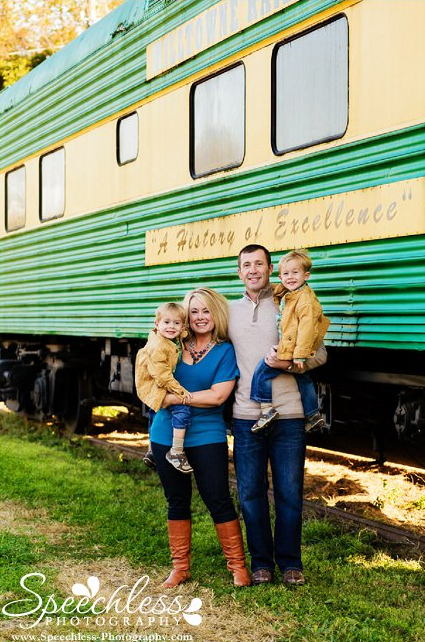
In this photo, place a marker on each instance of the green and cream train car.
(137, 161)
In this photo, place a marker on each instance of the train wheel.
(77, 416)
(23, 406)
(14, 406)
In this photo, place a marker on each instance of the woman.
(208, 370)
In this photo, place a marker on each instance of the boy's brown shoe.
(149, 460)
(179, 461)
(265, 419)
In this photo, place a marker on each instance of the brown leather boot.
(230, 537)
(179, 532)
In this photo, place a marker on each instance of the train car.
(137, 161)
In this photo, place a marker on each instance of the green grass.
(17, 554)
(419, 503)
(358, 590)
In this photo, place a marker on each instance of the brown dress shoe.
(262, 576)
(294, 577)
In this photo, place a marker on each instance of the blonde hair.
(218, 307)
(299, 255)
(171, 307)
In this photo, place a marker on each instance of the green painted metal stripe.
(128, 310)
(85, 276)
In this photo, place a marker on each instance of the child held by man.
(155, 364)
(302, 327)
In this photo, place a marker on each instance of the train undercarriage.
(67, 377)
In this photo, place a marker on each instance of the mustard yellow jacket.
(302, 324)
(155, 364)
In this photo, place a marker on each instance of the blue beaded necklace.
(198, 354)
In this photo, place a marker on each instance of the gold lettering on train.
(210, 27)
(382, 211)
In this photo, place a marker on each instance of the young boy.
(301, 326)
(155, 364)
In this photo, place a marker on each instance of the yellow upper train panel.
(386, 47)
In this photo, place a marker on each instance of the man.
(253, 331)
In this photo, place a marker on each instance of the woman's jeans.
(284, 444)
(211, 471)
(261, 387)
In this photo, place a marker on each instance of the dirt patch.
(214, 625)
(388, 493)
(106, 578)
(19, 520)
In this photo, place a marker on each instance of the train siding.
(78, 292)
(94, 298)
(87, 276)
(95, 181)
(113, 78)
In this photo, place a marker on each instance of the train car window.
(310, 87)
(127, 139)
(217, 120)
(52, 185)
(15, 199)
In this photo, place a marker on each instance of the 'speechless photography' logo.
(87, 606)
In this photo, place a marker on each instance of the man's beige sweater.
(253, 330)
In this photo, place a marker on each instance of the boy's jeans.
(261, 387)
(180, 416)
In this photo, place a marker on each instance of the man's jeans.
(284, 444)
(261, 387)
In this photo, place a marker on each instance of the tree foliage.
(34, 29)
